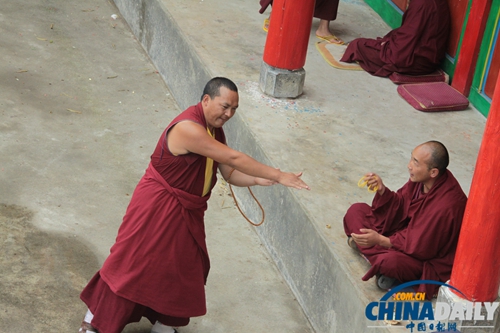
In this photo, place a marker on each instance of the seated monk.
(415, 48)
(410, 234)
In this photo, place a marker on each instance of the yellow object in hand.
(363, 182)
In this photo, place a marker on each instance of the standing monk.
(159, 264)
(415, 48)
(410, 234)
(325, 10)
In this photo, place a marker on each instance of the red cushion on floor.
(437, 76)
(433, 96)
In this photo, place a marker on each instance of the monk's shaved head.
(212, 88)
(439, 157)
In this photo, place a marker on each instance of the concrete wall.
(162, 39)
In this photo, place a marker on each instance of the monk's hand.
(290, 179)
(374, 181)
(366, 238)
(264, 182)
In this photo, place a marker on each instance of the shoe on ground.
(352, 244)
(386, 283)
(87, 328)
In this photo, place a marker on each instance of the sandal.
(386, 283)
(352, 244)
(87, 328)
(332, 39)
(265, 25)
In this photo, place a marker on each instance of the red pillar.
(476, 270)
(288, 35)
(471, 43)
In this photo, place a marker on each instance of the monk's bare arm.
(238, 178)
(188, 136)
(369, 237)
(385, 242)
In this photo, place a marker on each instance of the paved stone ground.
(41, 274)
(81, 109)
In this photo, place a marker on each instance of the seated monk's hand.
(366, 238)
(373, 181)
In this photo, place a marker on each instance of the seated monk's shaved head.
(439, 158)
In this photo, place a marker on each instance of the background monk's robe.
(415, 48)
(323, 9)
(423, 230)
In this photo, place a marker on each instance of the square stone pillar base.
(471, 323)
(281, 83)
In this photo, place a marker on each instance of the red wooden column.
(288, 35)
(476, 270)
(282, 73)
(471, 43)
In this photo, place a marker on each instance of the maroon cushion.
(433, 96)
(437, 76)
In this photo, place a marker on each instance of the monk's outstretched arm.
(189, 137)
(238, 178)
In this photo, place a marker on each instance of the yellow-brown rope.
(238, 206)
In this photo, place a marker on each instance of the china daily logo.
(399, 305)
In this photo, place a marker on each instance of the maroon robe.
(323, 9)
(423, 230)
(415, 48)
(160, 259)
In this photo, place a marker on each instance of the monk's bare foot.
(324, 33)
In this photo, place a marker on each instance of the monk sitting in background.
(410, 234)
(325, 10)
(415, 48)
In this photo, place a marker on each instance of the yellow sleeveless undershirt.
(208, 171)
